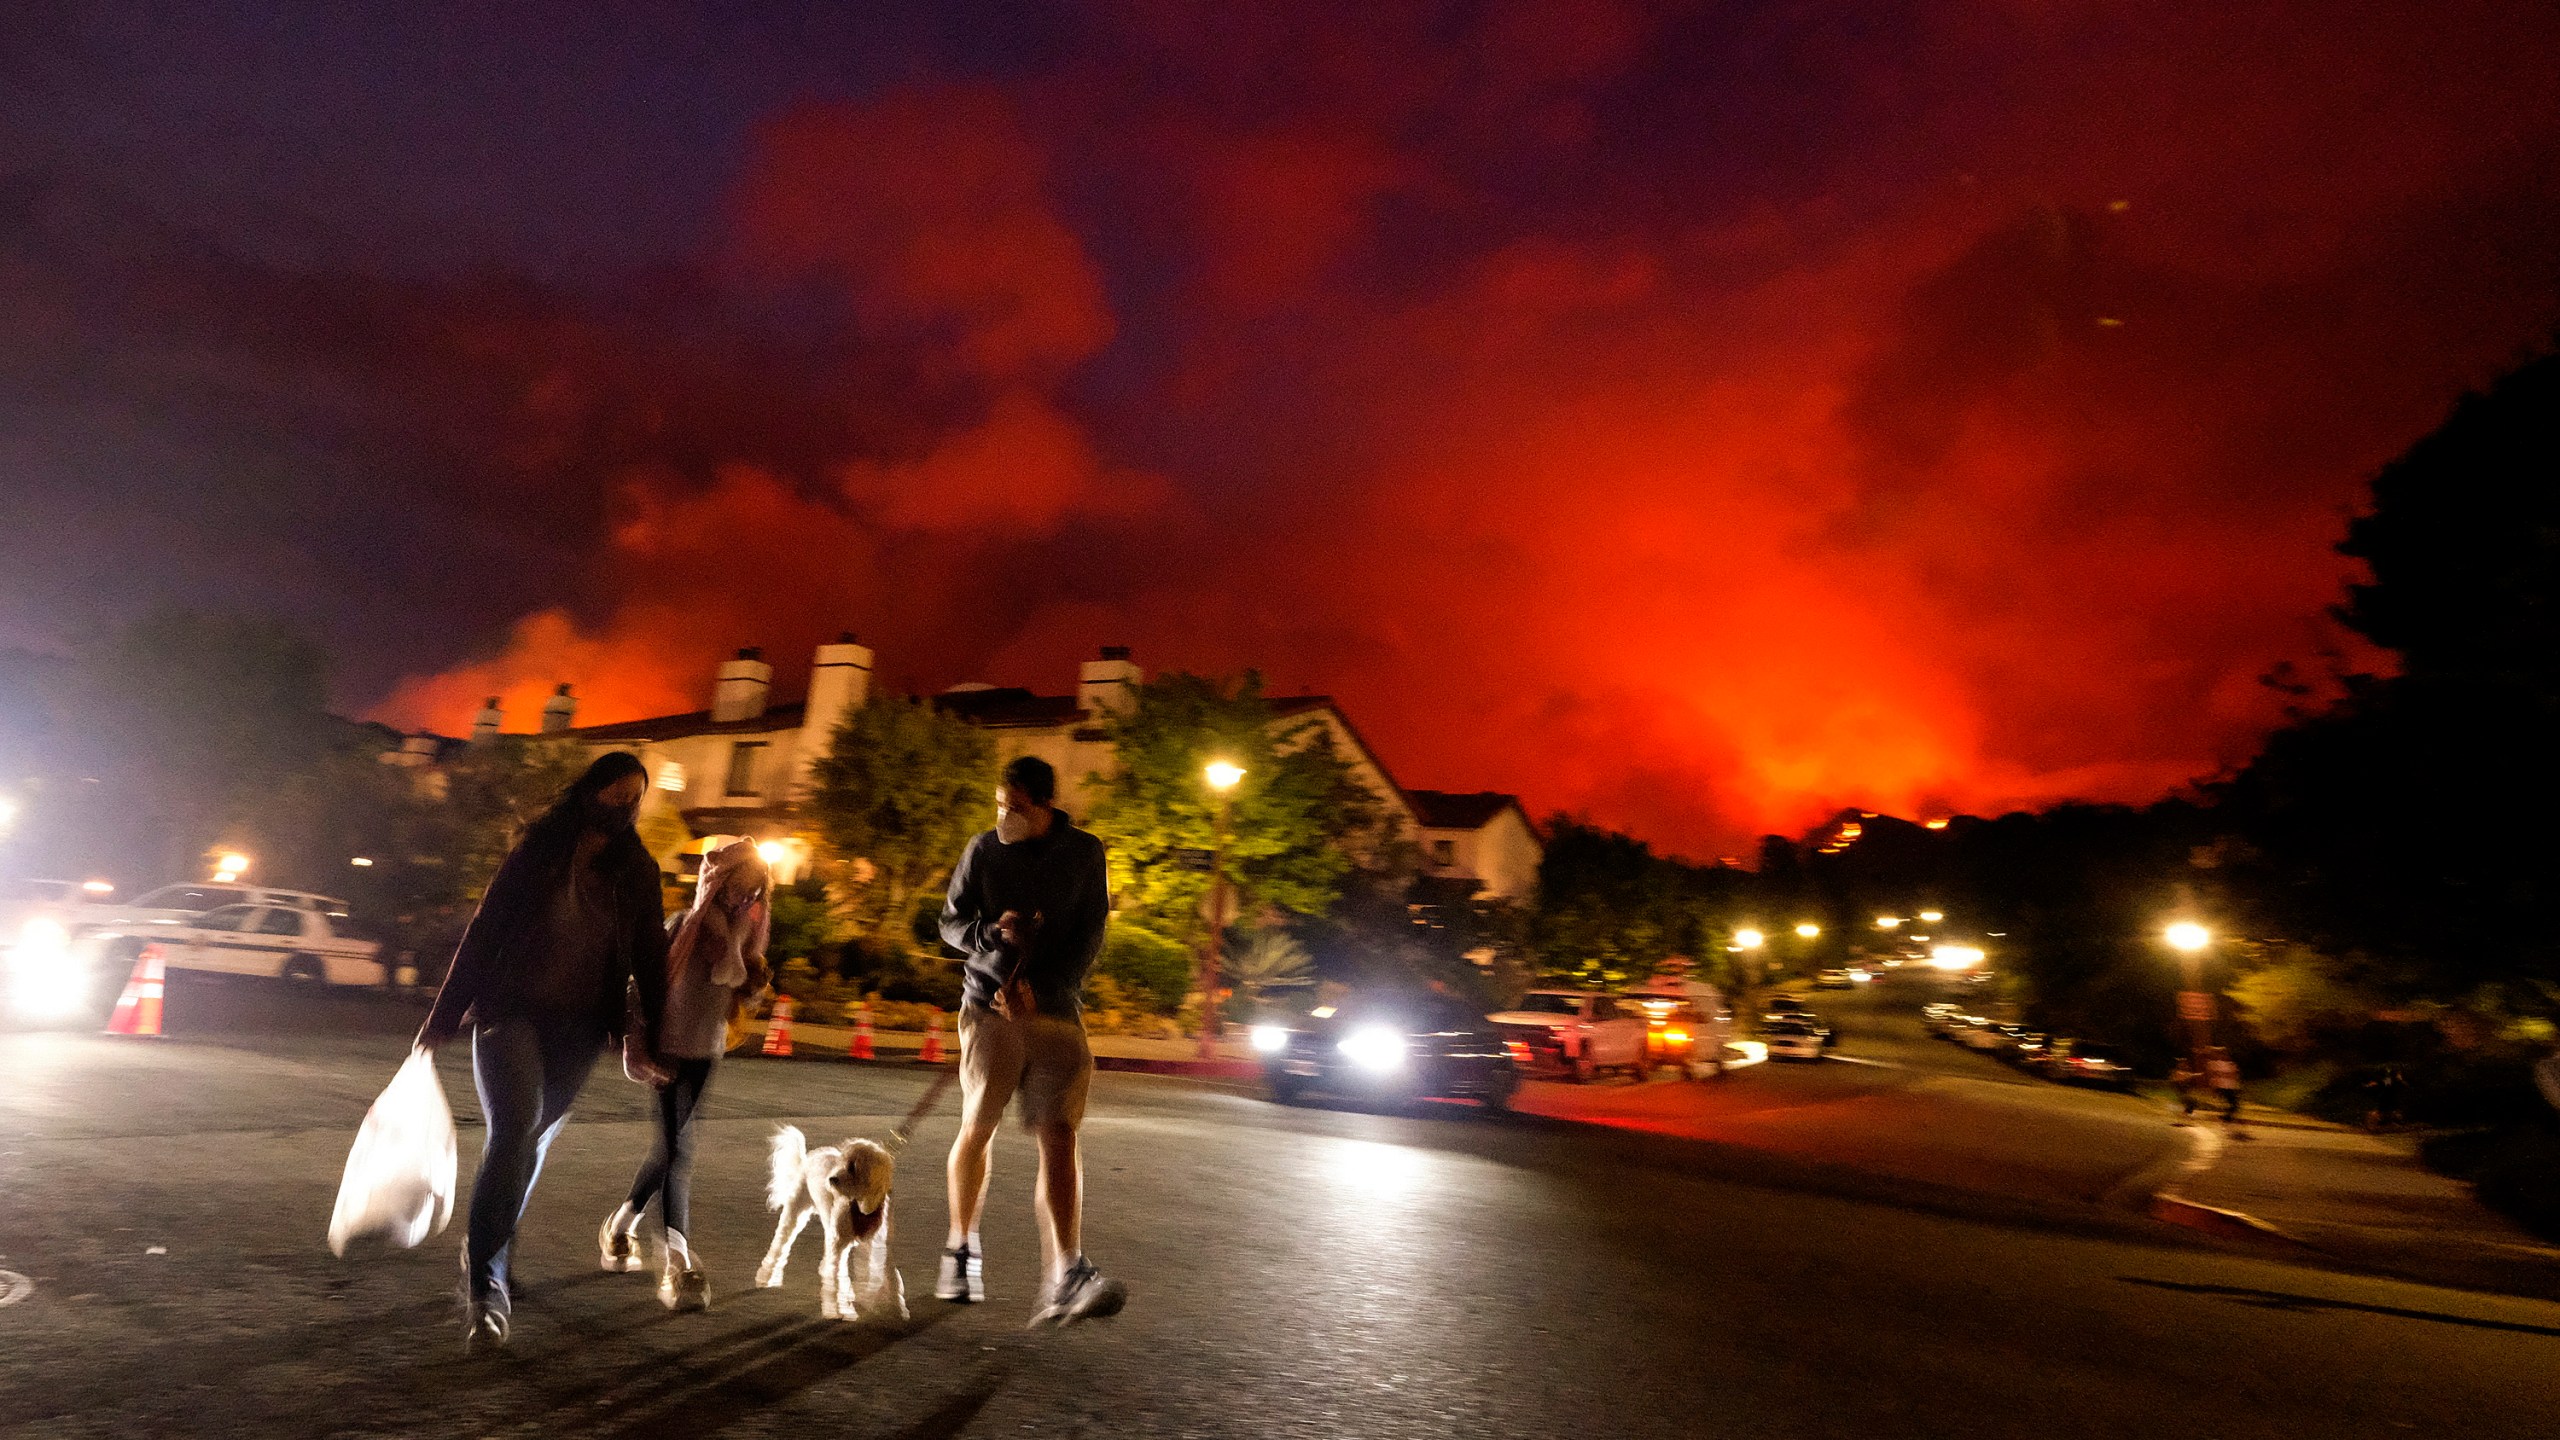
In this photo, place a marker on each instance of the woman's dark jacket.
(506, 937)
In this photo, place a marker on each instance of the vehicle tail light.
(1518, 1050)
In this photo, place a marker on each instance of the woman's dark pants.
(528, 1073)
(667, 1175)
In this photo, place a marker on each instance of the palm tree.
(1268, 960)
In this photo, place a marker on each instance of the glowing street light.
(1932, 916)
(1747, 938)
(362, 862)
(771, 851)
(230, 865)
(2195, 1003)
(1888, 922)
(1222, 776)
(1808, 930)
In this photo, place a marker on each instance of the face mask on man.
(1014, 826)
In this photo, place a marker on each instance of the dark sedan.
(1398, 1045)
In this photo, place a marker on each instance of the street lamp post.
(2195, 1005)
(1222, 777)
(1746, 943)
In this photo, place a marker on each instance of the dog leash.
(899, 1135)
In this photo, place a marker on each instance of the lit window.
(671, 777)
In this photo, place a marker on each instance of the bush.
(1152, 972)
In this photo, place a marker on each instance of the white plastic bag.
(398, 1189)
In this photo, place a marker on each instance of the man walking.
(1027, 906)
(2222, 1076)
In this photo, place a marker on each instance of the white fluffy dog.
(846, 1189)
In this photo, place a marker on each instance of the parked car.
(1820, 1027)
(1387, 1043)
(153, 911)
(1978, 1033)
(1794, 1040)
(1833, 980)
(1941, 1019)
(1578, 1032)
(2079, 1062)
(2028, 1049)
(284, 941)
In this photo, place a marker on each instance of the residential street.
(1893, 1101)
(1312, 1272)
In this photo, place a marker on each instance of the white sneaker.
(963, 1280)
(1081, 1294)
(682, 1285)
(614, 1244)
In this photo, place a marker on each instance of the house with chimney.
(1481, 846)
(739, 767)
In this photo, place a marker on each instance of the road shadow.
(722, 1381)
(2283, 1300)
(701, 1397)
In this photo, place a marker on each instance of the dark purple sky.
(1703, 415)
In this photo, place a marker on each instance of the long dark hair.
(551, 841)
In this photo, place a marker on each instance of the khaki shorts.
(1045, 1058)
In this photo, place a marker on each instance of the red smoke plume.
(1963, 427)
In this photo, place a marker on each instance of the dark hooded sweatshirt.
(1060, 877)
(555, 947)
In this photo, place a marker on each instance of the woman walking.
(716, 962)
(573, 921)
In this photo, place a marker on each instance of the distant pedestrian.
(715, 963)
(2186, 1079)
(1027, 906)
(573, 921)
(2222, 1076)
(2387, 1093)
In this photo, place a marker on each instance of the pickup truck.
(1581, 1032)
(283, 940)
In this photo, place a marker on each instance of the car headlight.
(1374, 1047)
(43, 980)
(42, 937)
(1270, 1039)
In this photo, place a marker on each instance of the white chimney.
(559, 711)
(1109, 686)
(740, 691)
(839, 684)
(484, 726)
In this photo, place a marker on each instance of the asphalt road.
(1892, 1100)
(1296, 1272)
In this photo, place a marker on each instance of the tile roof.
(1009, 706)
(1442, 810)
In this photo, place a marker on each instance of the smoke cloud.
(1700, 418)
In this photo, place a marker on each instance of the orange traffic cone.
(138, 1008)
(932, 1052)
(861, 1034)
(777, 1031)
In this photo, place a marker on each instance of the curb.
(2229, 1224)
(906, 1060)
